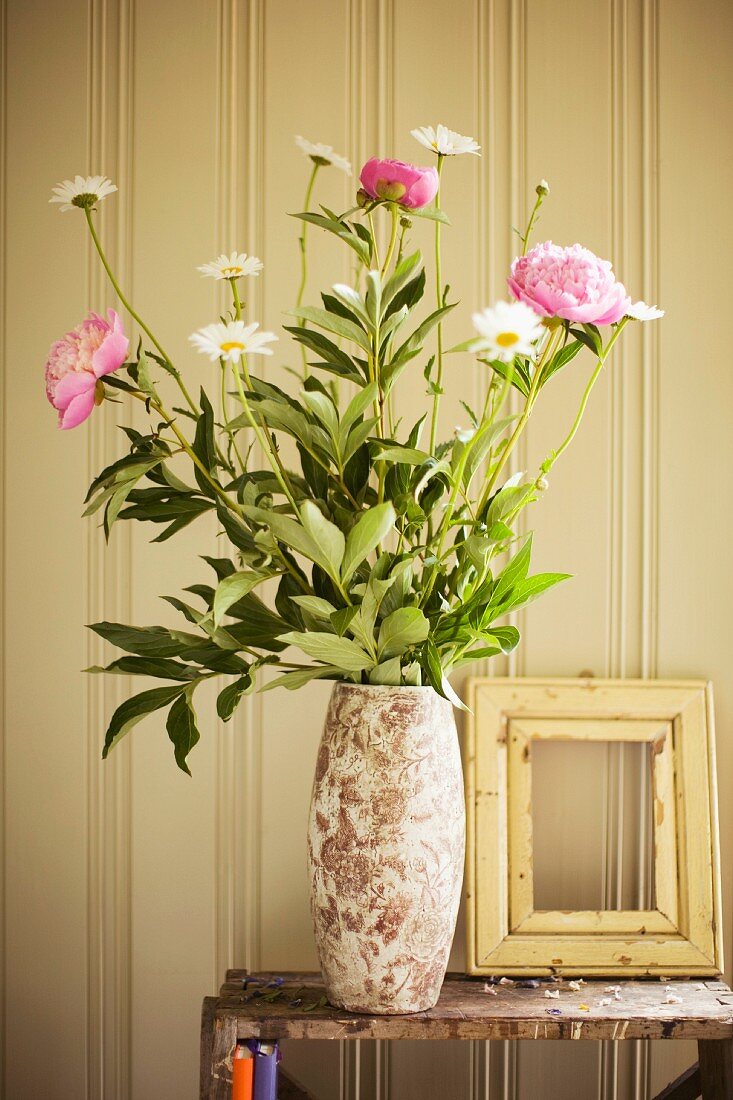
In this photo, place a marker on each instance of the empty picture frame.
(506, 935)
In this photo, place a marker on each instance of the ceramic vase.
(386, 842)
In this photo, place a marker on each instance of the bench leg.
(218, 1042)
(716, 1068)
(290, 1089)
(685, 1087)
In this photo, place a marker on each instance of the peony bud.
(395, 181)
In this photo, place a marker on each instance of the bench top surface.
(293, 1006)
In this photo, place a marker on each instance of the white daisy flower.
(506, 330)
(323, 154)
(640, 311)
(232, 340)
(83, 192)
(446, 142)
(235, 266)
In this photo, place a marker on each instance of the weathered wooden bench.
(293, 1006)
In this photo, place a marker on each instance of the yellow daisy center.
(230, 271)
(507, 339)
(231, 345)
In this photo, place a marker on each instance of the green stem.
(263, 438)
(532, 219)
(136, 317)
(444, 527)
(156, 403)
(395, 212)
(237, 299)
(439, 329)
(549, 463)
(401, 246)
(375, 246)
(225, 418)
(529, 404)
(302, 243)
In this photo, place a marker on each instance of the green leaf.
(590, 336)
(373, 298)
(387, 672)
(405, 627)
(357, 437)
(339, 229)
(181, 726)
(432, 666)
(527, 591)
(326, 535)
(448, 693)
(354, 303)
(409, 456)
(204, 446)
(129, 713)
(417, 339)
(315, 605)
(506, 636)
(233, 588)
(400, 277)
(516, 570)
(289, 532)
(161, 667)
(561, 359)
(344, 653)
(366, 534)
(331, 322)
(144, 377)
(341, 619)
(228, 699)
(356, 408)
(300, 676)
(150, 641)
(431, 213)
(324, 410)
(516, 373)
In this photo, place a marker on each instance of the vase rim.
(385, 687)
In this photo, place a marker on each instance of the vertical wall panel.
(695, 390)
(45, 762)
(174, 852)
(128, 887)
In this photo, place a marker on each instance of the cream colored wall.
(128, 888)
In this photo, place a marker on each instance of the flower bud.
(362, 198)
(395, 181)
(543, 189)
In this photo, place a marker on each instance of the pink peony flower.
(395, 181)
(94, 348)
(572, 283)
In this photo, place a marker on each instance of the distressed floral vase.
(386, 841)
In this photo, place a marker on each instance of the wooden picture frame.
(506, 935)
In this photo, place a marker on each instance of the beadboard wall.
(129, 888)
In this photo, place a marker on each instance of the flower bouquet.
(378, 552)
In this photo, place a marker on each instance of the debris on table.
(552, 993)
